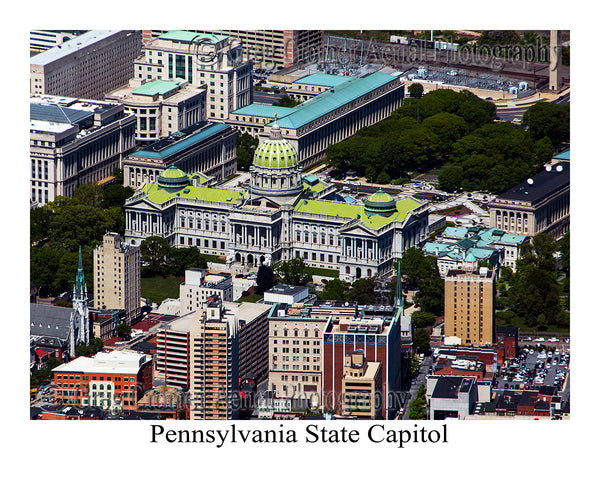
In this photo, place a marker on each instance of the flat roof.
(564, 155)
(188, 36)
(178, 141)
(159, 87)
(323, 79)
(56, 114)
(103, 362)
(262, 110)
(544, 183)
(71, 46)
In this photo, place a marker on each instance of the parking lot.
(533, 369)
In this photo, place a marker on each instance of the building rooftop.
(323, 80)
(333, 99)
(71, 46)
(284, 289)
(180, 140)
(49, 321)
(112, 362)
(261, 110)
(155, 87)
(158, 195)
(541, 185)
(339, 209)
(189, 36)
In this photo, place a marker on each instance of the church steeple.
(80, 288)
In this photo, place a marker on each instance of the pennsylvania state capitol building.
(281, 215)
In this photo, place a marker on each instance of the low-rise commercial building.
(451, 397)
(115, 380)
(285, 294)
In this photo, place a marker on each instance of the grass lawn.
(252, 298)
(158, 288)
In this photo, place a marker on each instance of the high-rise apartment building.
(214, 350)
(117, 276)
(174, 342)
(88, 66)
(74, 141)
(469, 306)
(270, 49)
(200, 59)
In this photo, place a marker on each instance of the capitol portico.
(280, 216)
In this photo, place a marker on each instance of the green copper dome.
(276, 152)
(173, 178)
(380, 203)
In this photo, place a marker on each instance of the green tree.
(154, 252)
(39, 223)
(450, 178)
(335, 289)
(423, 319)
(123, 329)
(415, 90)
(286, 101)
(417, 409)
(416, 266)
(89, 194)
(421, 340)
(78, 225)
(430, 297)
(293, 272)
(115, 195)
(547, 119)
(183, 258)
(246, 146)
(363, 291)
(43, 265)
(265, 278)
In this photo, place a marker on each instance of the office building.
(384, 334)
(279, 217)
(206, 149)
(330, 117)
(117, 267)
(88, 66)
(469, 306)
(162, 107)
(269, 49)
(40, 40)
(539, 205)
(113, 381)
(451, 397)
(199, 285)
(214, 364)
(361, 387)
(201, 59)
(75, 141)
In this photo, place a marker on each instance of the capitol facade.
(279, 216)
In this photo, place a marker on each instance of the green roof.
(333, 99)
(158, 195)
(313, 187)
(275, 153)
(339, 209)
(159, 87)
(188, 36)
